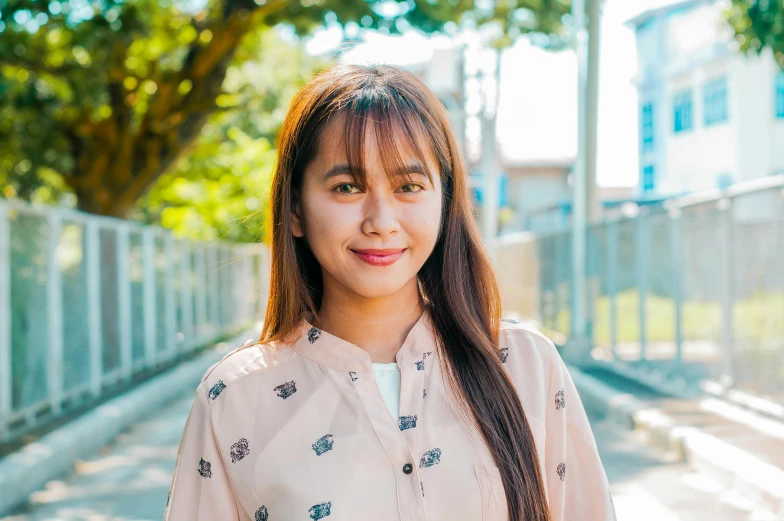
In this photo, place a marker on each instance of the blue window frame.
(503, 183)
(780, 95)
(682, 112)
(714, 98)
(648, 178)
(647, 127)
(724, 180)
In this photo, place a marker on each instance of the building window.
(647, 127)
(715, 101)
(682, 112)
(780, 95)
(724, 181)
(648, 181)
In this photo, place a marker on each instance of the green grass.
(758, 320)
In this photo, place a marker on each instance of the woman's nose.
(380, 215)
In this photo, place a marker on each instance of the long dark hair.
(458, 274)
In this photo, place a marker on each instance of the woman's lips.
(379, 257)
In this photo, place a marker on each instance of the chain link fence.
(90, 305)
(680, 294)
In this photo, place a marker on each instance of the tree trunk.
(115, 167)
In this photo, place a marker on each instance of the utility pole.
(592, 109)
(489, 161)
(584, 205)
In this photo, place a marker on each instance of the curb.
(618, 407)
(727, 464)
(30, 468)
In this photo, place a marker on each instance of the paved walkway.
(647, 486)
(129, 479)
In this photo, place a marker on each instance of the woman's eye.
(411, 188)
(346, 188)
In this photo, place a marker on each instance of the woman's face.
(370, 243)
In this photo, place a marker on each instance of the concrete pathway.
(129, 479)
(647, 485)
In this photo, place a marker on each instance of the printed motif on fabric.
(407, 422)
(205, 468)
(323, 444)
(561, 470)
(430, 458)
(560, 400)
(261, 514)
(320, 511)
(216, 389)
(239, 450)
(285, 390)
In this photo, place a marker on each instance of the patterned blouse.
(299, 430)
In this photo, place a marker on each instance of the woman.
(384, 385)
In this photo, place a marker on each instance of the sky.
(538, 104)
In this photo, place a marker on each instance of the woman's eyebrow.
(343, 169)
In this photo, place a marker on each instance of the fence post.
(124, 300)
(228, 266)
(641, 250)
(263, 282)
(170, 298)
(676, 260)
(94, 319)
(6, 387)
(54, 297)
(186, 294)
(724, 206)
(245, 286)
(232, 265)
(225, 286)
(201, 293)
(612, 284)
(214, 287)
(590, 290)
(150, 322)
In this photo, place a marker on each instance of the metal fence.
(686, 293)
(89, 305)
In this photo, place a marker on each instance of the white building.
(709, 116)
(444, 73)
(439, 62)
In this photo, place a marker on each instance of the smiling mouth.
(379, 257)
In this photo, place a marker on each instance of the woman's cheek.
(328, 217)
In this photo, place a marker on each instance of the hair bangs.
(399, 133)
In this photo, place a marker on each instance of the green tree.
(758, 25)
(102, 97)
(220, 187)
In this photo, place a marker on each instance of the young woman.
(384, 385)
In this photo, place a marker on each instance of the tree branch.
(37, 65)
(172, 121)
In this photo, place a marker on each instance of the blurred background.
(626, 163)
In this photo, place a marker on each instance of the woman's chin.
(376, 288)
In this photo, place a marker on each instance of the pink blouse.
(299, 430)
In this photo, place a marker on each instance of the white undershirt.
(388, 379)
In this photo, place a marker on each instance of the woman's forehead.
(332, 144)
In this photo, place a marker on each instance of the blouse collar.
(330, 350)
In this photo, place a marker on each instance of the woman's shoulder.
(524, 344)
(249, 358)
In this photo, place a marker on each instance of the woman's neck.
(379, 326)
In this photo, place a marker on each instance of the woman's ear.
(297, 223)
